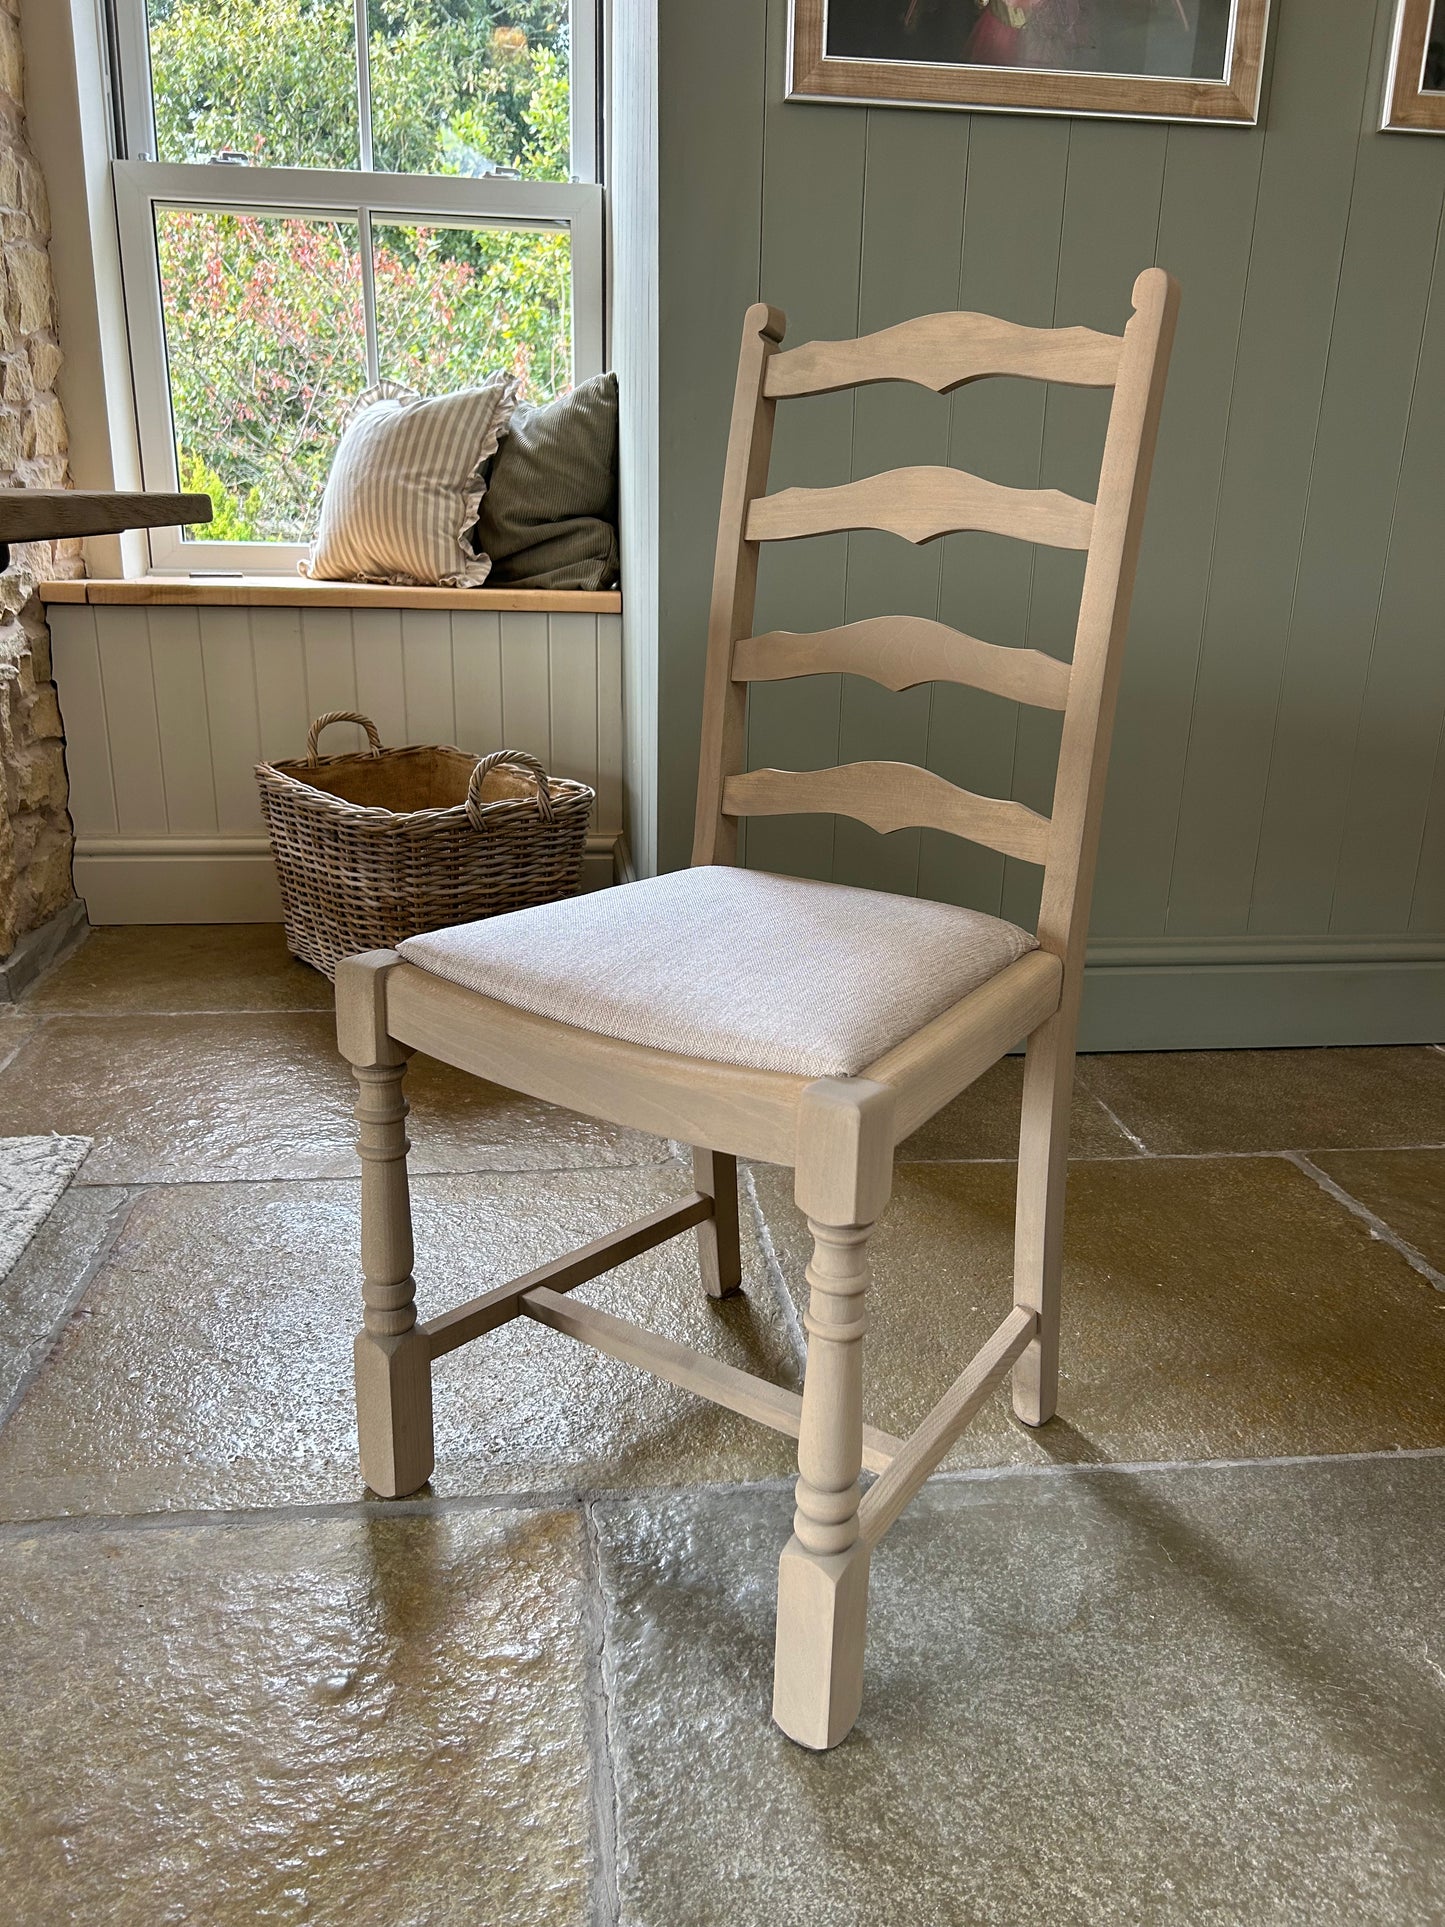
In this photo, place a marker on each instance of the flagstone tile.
(1406, 1189)
(1273, 1100)
(373, 1718)
(180, 968)
(268, 1096)
(1187, 1696)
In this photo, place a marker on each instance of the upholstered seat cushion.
(732, 965)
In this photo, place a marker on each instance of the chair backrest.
(941, 352)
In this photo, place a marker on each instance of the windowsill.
(296, 592)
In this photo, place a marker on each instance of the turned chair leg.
(845, 1157)
(393, 1357)
(823, 1573)
(719, 1253)
(1039, 1212)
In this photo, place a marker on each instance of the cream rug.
(34, 1172)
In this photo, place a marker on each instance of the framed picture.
(1415, 90)
(1145, 59)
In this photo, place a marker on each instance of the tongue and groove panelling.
(1277, 800)
(167, 711)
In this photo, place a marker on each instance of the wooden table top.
(53, 514)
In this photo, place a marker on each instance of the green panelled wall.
(1273, 865)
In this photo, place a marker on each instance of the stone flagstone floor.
(1179, 1657)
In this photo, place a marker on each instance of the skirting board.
(1243, 995)
(218, 879)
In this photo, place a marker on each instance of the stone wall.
(35, 836)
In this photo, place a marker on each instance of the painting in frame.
(1415, 89)
(1196, 60)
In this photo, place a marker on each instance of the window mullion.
(363, 84)
(130, 43)
(582, 88)
(368, 299)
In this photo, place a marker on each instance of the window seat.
(297, 592)
(168, 705)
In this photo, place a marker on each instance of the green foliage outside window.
(265, 328)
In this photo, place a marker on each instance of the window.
(319, 195)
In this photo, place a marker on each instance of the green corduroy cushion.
(549, 517)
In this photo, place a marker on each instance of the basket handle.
(313, 735)
(518, 759)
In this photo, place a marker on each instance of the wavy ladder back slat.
(921, 504)
(891, 796)
(900, 652)
(942, 352)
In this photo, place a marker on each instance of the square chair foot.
(818, 1664)
(393, 1412)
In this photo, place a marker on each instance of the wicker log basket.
(375, 846)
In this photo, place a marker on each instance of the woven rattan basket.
(374, 847)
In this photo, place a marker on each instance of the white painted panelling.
(477, 677)
(183, 721)
(380, 682)
(426, 660)
(167, 711)
(281, 706)
(75, 657)
(330, 671)
(232, 720)
(572, 699)
(634, 201)
(526, 703)
(132, 727)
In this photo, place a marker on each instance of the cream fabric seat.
(736, 966)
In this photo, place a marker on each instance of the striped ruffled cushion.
(406, 485)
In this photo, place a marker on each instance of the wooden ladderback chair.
(803, 1023)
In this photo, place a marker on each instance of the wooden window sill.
(296, 592)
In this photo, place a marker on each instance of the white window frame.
(142, 184)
